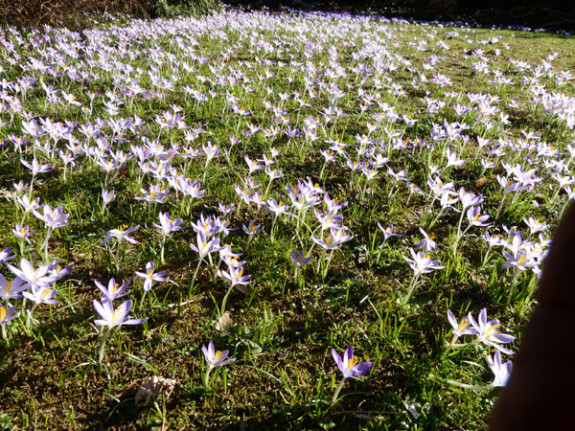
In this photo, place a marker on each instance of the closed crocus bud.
(540, 391)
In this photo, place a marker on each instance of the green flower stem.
(337, 391)
(102, 350)
(410, 290)
(207, 377)
(192, 282)
(225, 300)
(4, 332)
(45, 245)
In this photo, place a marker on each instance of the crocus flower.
(53, 218)
(349, 365)
(216, 358)
(22, 232)
(122, 234)
(41, 295)
(428, 242)
(11, 289)
(108, 196)
(328, 219)
(252, 229)
(5, 255)
(299, 259)
(422, 264)
(334, 239)
(32, 276)
(475, 218)
(57, 271)
(502, 371)
(27, 203)
(112, 317)
(36, 167)
(225, 209)
(7, 314)
(235, 275)
(167, 225)
(113, 290)
(205, 247)
(469, 199)
(461, 328)
(388, 231)
(205, 225)
(535, 225)
(521, 260)
(489, 332)
(20, 187)
(276, 208)
(150, 276)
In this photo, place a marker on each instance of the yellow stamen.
(492, 330)
(352, 362)
(464, 323)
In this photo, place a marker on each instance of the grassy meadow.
(285, 186)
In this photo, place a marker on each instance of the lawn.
(200, 216)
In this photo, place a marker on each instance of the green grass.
(281, 326)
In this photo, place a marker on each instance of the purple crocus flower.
(41, 295)
(422, 264)
(235, 275)
(475, 218)
(113, 290)
(489, 332)
(463, 327)
(22, 232)
(5, 255)
(36, 167)
(216, 358)
(108, 196)
(428, 242)
(11, 289)
(58, 271)
(122, 234)
(334, 239)
(112, 317)
(469, 199)
(388, 232)
(299, 259)
(252, 229)
(349, 365)
(32, 276)
(502, 371)
(7, 314)
(205, 247)
(150, 276)
(167, 225)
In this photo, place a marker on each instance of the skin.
(540, 394)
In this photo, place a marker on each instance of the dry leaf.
(154, 387)
(224, 321)
(481, 182)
